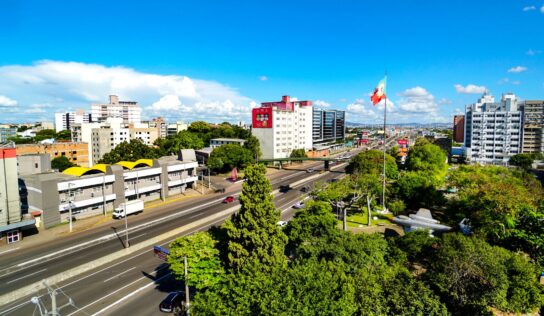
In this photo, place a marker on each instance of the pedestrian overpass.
(326, 160)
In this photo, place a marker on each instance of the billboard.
(403, 142)
(262, 118)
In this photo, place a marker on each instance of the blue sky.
(215, 60)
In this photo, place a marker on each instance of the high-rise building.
(6, 133)
(11, 217)
(160, 124)
(106, 138)
(282, 127)
(533, 126)
(493, 129)
(459, 128)
(328, 126)
(129, 111)
(65, 121)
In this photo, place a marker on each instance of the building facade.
(216, 142)
(459, 128)
(106, 138)
(33, 163)
(493, 130)
(533, 126)
(160, 124)
(77, 153)
(129, 111)
(11, 216)
(282, 127)
(174, 128)
(328, 126)
(65, 121)
(92, 191)
(6, 133)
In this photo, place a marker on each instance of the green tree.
(61, 163)
(253, 233)
(130, 151)
(252, 144)
(371, 162)
(427, 158)
(64, 135)
(226, 157)
(524, 161)
(298, 153)
(418, 189)
(199, 127)
(45, 134)
(203, 262)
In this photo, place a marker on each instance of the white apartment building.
(65, 121)
(174, 128)
(282, 127)
(129, 111)
(493, 129)
(106, 138)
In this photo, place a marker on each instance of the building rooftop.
(228, 139)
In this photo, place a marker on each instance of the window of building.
(13, 236)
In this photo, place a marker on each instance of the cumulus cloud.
(321, 104)
(263, 78)
(68, 85)
(529, 8)
(517, 69)
(5, 101)
(532, 52)
(417, 100)
(542, 9)
(444, 101)
(470, 89)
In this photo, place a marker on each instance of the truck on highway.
(132, 207)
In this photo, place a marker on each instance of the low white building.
(282, 127)
(216, 142)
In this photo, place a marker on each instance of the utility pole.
(126, 224)
(187, 303)
(70, 204)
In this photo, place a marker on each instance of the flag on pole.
(379, 92)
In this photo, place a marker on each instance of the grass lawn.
(357, 219)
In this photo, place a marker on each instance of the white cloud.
(532, 52)
(263, 78)
(444, 101)
(73, 84)
(529, 8)
(517, 69)
(322, 104)
(516, 82)
(542, 9)
(470, 89)
(417, 100)
(458, 111)
(5, 101)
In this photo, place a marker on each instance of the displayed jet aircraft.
(423, 219)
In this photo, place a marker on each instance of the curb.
(37, 286)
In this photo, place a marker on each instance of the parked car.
(229, 199)
(172, 302)
(299, 205)
(282, 224)
(310, 170)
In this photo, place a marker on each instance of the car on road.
(310, 170)
(229, 199)
(172, 302)
(299, 205)
(285, 188)
(282, 224)
(305, 189)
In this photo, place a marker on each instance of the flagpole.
(384, 154)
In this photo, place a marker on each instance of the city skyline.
(186, 63)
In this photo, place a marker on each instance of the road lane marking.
(25, 276)
(131, 237)
(129, 295)
(9, 250)
(116, 276)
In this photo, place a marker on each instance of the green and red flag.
(379, 92)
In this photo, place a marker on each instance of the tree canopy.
(226, 157)
(130, 151)
(371, 162)
(61, 163)
(524, 161)
(426, 157)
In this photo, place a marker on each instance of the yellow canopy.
(132, 164)
(100, 167)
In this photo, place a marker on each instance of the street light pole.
(187, 303)
(126, 224)
(70, 204)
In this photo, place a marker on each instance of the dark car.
(285, 188)
(229, 199)
(305, 189)
(172, 302)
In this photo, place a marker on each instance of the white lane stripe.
(119, 274)
(25, 276)
(129, 295)
(114, 235)
(134, 237)
(9, 250)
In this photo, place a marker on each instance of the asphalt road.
(119, 287)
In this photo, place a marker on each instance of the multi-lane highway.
(32, 265)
